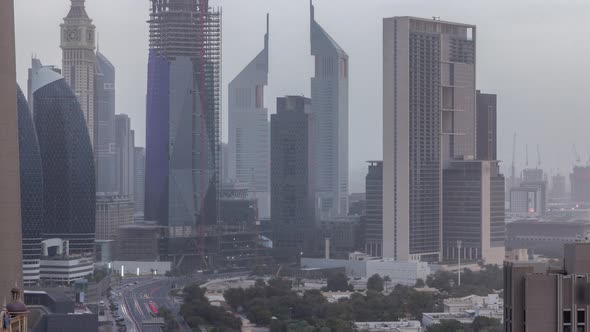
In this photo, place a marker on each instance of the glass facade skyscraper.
(67, 160)
(31, 183)
(182, 122)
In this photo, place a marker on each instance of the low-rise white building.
(466, 309)
(404, 273)
(401, 326)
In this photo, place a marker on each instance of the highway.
(134, 297)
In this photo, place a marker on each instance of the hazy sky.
(534, 54)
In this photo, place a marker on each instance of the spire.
(78, 10)
(311, 10)
(267, 30)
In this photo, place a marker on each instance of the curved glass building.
(31, 184)
(67, 161)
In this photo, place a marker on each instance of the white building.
(59, 267)
(401, 326)
(429, 103)
(403, 273)
(466, 309)
(249, 130)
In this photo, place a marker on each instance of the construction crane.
(513, 175)
(576, 155)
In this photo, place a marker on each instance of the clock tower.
(79, 59)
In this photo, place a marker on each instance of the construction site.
(183, 141)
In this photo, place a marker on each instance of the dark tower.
(67, 159)
(31, 183)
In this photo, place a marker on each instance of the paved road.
(136, 298)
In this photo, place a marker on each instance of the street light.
(459, 242)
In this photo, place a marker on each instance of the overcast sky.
(534, 54)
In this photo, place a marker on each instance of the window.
(567, 317)
(581, 318)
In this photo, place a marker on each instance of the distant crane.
(576, 155)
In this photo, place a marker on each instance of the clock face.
(72, 35)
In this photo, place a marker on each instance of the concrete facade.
(429, 119)
(10, 205)
(329, 93)
(79, 61)
(372, 223)
(487, 117)
(249, 130)
(112, 211)
(473, 211)
(139, 173)
(125, 155)
(538, 299)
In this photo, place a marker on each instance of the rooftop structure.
(399, 326)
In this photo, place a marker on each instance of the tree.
(450, 325)
(260, 316)
(486, 324)
(234, 297)
(375, 283)
(420, 283)
(337, 282)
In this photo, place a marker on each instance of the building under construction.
(183, 126)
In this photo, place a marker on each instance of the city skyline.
(497, 74)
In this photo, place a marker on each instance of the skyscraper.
(183, 129)
(10, 218)
(79, 60)
(329, 93)
(487, 120)
(292, 192)
(104, 140)
(373, 219)
(429, 119)
(31, 183)
(139, 187)
(125, 155)
(249, 131)
(69, 191)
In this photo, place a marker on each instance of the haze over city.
(531, 53)
(294, 165)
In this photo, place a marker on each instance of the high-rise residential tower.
(69, 190)
(31, 183)
(329, 93)
(79, 60)
(292, 175)
(249, 131)
(429, 119)
(183, 124)
(125, 155)
(10, 218)
(104, 135)
(139, 173)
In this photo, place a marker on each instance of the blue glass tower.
(69, 201)
(31, 183)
